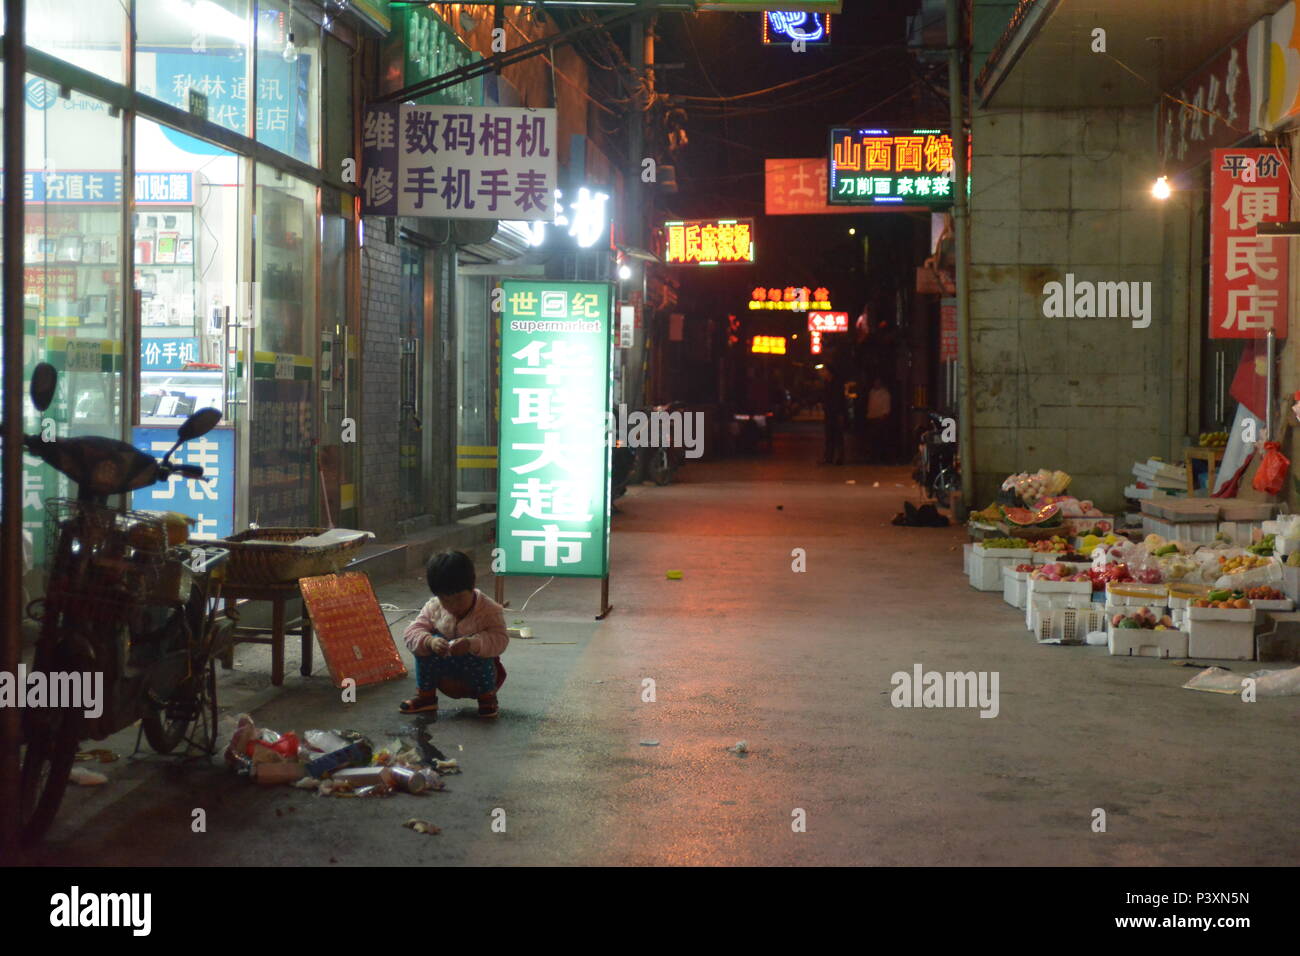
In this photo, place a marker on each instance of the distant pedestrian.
(879, 407)
(835, 409)
(457, 640)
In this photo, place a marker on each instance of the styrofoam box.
(1067, 625)
(1146, 595)
(1138, 642)
(1015, 586)
(1220, 640)
(965, 557)
(1291, 582)
(1198, 532)
(986, 565)
(1286, 604)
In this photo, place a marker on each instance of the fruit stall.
(1205, 589)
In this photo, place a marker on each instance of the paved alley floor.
(798, 665)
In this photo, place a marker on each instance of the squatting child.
(457, 640)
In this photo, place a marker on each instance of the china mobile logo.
(76, 909)
(948, 689)
(1098, 300)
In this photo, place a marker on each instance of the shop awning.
(508, 242)
(1045, 59)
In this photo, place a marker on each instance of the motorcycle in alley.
(936, 465)
(660, 464)
(125, 598)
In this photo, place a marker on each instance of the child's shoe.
(422, 703)
(487, 705)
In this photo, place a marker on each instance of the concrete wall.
(1054, 193)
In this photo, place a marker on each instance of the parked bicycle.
(936, 465)
(124, 600)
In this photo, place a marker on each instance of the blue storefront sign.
(166, 355)
(104, 186)
(210, 501)
(279, 106)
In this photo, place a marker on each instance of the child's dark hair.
(450, 573)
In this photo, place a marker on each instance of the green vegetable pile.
(1009, 543)
(1263, 547)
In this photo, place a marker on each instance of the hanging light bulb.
(1161, 188)
(290, 52)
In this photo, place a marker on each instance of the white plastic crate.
(1036, 603)
(1015, 586)
(1140, 642)
(1068, 625)
(986, 565)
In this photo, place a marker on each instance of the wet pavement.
(797, 665)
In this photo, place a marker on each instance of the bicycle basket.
(101, 560)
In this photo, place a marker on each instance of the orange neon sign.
(708, 242)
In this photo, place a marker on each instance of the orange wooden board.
(353, 634)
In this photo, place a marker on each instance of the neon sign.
(709, 242)
(768, 345)
(828, 321)
(791, 299)
(876, 166)
(786, 27)
(585, 220)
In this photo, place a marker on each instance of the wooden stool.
(277, 594)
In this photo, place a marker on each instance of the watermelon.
(1025, 518)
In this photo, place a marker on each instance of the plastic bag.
(1273, 469)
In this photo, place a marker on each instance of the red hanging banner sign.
(1248, 273)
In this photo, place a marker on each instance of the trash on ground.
(86, 778)
(355, 754)
(236, 751)
(308, 783)
(1219, 680)
(446, 767)
(875, 484)
(741, 747)
(851, 481)
(387, 753)
(270, 773)
(422, 826)
(270, 746)
(103, 756)
(649, 743)
(674, 575)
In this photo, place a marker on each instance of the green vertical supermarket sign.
(553, 471)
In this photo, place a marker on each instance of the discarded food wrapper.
(308, 783)
(86, 778)
(387, 754)
(1268, 683)
(741, 747)
(422, 826)
(271, 773)
(324, 741)
(674, 575)
(446, 767)
(240, 742)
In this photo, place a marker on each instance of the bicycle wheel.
(660, 470)
(52, 739)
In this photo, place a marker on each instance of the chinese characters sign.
(797, 187)
(164, 355)
(553, 497)
(828, 321)
(768, 344)
(104, 187)
(791, 299)
(708, 242)
(1248, 273)
(459, 162)
(1219, 111)
(430, 48)
(948, 330)
(870, 166)
(210, 501)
